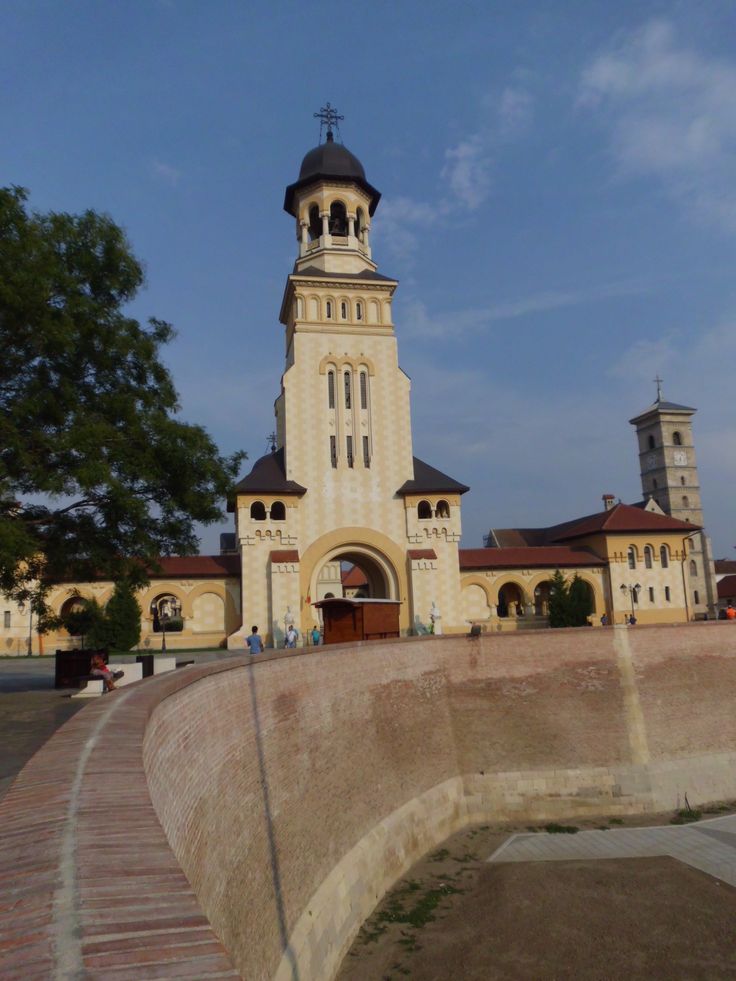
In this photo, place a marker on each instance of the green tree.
(579, 600)
(123, 618)
(98, 476)
(559, 601)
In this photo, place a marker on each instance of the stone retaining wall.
(292, 792)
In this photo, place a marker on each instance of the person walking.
(254, 643)
(316, 636)
(291, 636)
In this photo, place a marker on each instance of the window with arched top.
(258, 511)
(648, 556)
(696, 596)
(443, 509)
(655, 485)
(299, 307)
(359, 224)
(424, 509)
(348, 395)
(631, 556)
(364, 390)
(344, 310)
(338, 223)
(677, 439)
(650, 442)
(664, 556)
(328, 310)
(358, 310)
(685, 501)
(682, 481)
(315, 223)
(693, 567)
(278, 511)
(331, 389)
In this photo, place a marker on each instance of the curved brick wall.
(294, 791)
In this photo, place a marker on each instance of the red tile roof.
(621, 519)
(555, 556)
(725, 566)
(353, 577)
(727, 587)
(285, 555)
(197, 566)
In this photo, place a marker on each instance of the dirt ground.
(454, 916)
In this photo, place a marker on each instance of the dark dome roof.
(327, 161)
(331, 159)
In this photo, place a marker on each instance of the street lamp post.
(633, 592)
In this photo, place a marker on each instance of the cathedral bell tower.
(669, 476)
(341, 485)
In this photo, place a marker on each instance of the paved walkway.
(31, 709)
(707, 845)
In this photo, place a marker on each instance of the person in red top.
(100, 670)
(730, 612)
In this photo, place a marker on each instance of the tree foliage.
(123, 618)
(569, 603)
(98, 476)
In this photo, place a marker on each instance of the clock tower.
(669, 476)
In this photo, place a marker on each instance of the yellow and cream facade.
(342, 484)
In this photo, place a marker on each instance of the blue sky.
(559, 204)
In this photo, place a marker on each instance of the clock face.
(680, 458)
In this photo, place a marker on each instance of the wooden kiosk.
(358, 619)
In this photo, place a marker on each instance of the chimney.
(608, 501)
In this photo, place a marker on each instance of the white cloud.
(171, 175)
(417, 320)
(467, 170)
(466, 174)
(672, 115)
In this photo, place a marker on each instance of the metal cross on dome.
(328, 116)
(658, 382)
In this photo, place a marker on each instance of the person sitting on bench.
(100, 670)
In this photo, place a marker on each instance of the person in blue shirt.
(316, 636)
(254, 642)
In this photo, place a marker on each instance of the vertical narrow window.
(359, 311)
(331, 389)
(7, 619)
(348, 400)
(696, 596)
(693, 567)
(664, 557)
(686, 501)
(631, 555)
(363, 390)
(344, 310)
(350, 451)
(328, 310)
(366, 453)
(333, 451)
(667, 593)
(677, 439)
(647, 557)
(651, 594)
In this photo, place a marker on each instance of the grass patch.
(686, 816)
(561, 829)
(467, 857)
(615, 820)
(439, 856)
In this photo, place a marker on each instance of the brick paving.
(708, 845)
(89, 887)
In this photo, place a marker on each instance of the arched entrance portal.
(355, 572)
